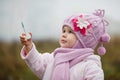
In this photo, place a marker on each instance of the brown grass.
(12, 67)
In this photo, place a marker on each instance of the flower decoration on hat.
(80, 24)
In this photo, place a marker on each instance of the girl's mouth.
(63, 41)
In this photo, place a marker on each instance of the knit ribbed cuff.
(31, 55)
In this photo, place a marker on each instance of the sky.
(44, 17)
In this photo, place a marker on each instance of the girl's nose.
(64, 35)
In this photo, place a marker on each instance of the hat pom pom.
(101, 50)
(105, 38)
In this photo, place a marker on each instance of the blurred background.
(44, 19)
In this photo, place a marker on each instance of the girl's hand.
(26, 42)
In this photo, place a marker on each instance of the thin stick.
(23, 27)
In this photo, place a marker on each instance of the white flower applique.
(82, 25)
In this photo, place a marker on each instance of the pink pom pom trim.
(105, 38)
(101, 50)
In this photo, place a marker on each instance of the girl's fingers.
(23, 34)
(30, 34)
(23, 39)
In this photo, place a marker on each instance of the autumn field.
(12, 67)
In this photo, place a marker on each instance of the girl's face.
(68, 37)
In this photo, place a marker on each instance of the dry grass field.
(12, 67)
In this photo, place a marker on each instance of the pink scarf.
(65, 58)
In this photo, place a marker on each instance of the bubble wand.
(27, 34)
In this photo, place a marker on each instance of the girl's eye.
(70, 31)
(63, 31)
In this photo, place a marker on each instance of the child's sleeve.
(93, 72)
(36, 62)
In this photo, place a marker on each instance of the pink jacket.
(42, 65)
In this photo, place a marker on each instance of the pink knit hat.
(90, 30)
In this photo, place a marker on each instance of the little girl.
(75, 59)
